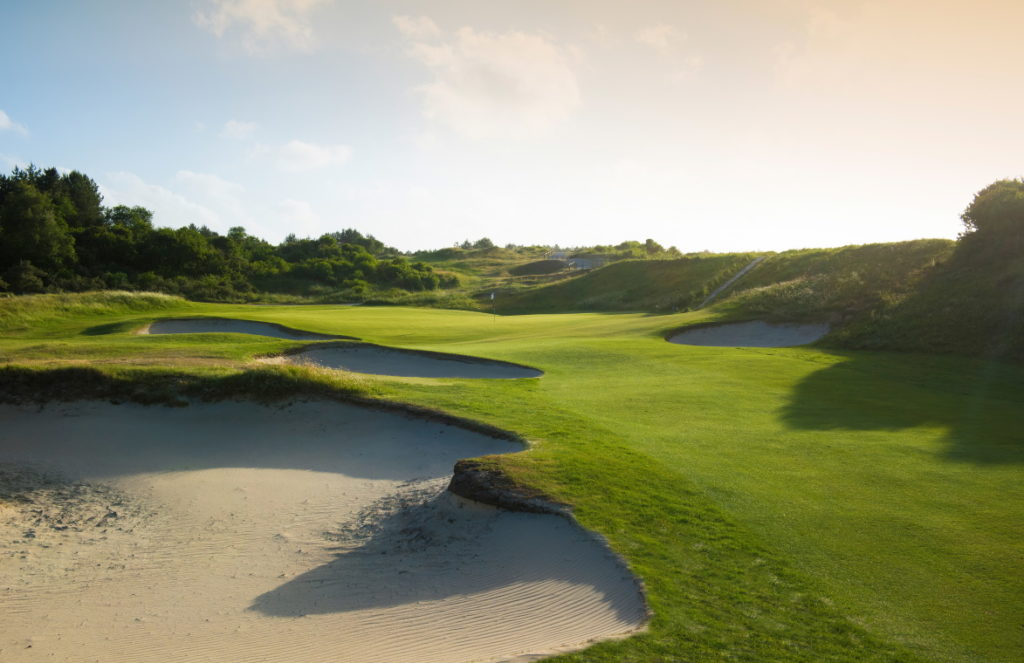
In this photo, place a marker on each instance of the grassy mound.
(973, 304)
(834, 284)
(27, 311)
(633, 285)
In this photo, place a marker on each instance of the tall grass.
(30, 310)
(662, 286)
(834, 284)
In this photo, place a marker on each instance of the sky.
(731, 125)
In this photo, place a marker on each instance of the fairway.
(779, 503)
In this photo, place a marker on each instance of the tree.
(995, 218)
(31, 229)
(653, 247)
(86, 203)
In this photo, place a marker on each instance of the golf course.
(504, 332)
(778, 504)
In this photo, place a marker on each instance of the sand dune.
(230, 326)
(365, 358)
(314, 532)
(754, 334)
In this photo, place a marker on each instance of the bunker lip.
(416, 563)
(403, 362)
(749, 334)
(218, 325)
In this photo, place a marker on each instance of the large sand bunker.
(754, 334)
(314, 532)
(232, 326)
(364, 358)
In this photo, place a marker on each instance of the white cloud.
(237, 129)
(299, 217)
(416, 27)
(224, 198)
(497, 84)
(262, 24)
(7, 124)
(169, 208)
(661, 38)
(298, 156)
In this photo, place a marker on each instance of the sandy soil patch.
(230, 326)
(754, 334)
(407, 363)
(314, 532)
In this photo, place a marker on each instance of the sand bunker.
(315, 532)
(363, 358)
(230, 326)
(754, 334)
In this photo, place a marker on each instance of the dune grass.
(663, 286)
(780, 504)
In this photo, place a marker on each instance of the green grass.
(780, 504)
(846, 283)
(633, 285)
(971, 304)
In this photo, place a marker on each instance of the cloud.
(416, 27)
(299, 216)
(169, 208)
(7, 124)
(237, 130)
(224, 198)
(907, 52)
(661, 38)
(262, 24)
(494, 84)
(298, 156)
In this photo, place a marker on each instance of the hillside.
(962, 307)
(633, 285)
(834, 285)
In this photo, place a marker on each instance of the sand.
(230, 326)
(364, 358)
(754, 334)
(313, 532)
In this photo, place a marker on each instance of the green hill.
(835, 285)
(633, 285)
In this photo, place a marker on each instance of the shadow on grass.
(111, 328)
(979, 402)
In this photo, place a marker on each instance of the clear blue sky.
(733, 125)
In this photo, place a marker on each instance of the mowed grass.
(780, 504)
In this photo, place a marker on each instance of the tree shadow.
(447, 547)
(979, 402)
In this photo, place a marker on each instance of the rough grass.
(170, 386)
(32, 311)
(847, 283)
(633, 285)
(971, 304)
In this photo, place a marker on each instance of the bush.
(24, 277)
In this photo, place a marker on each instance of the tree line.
(56, 235)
